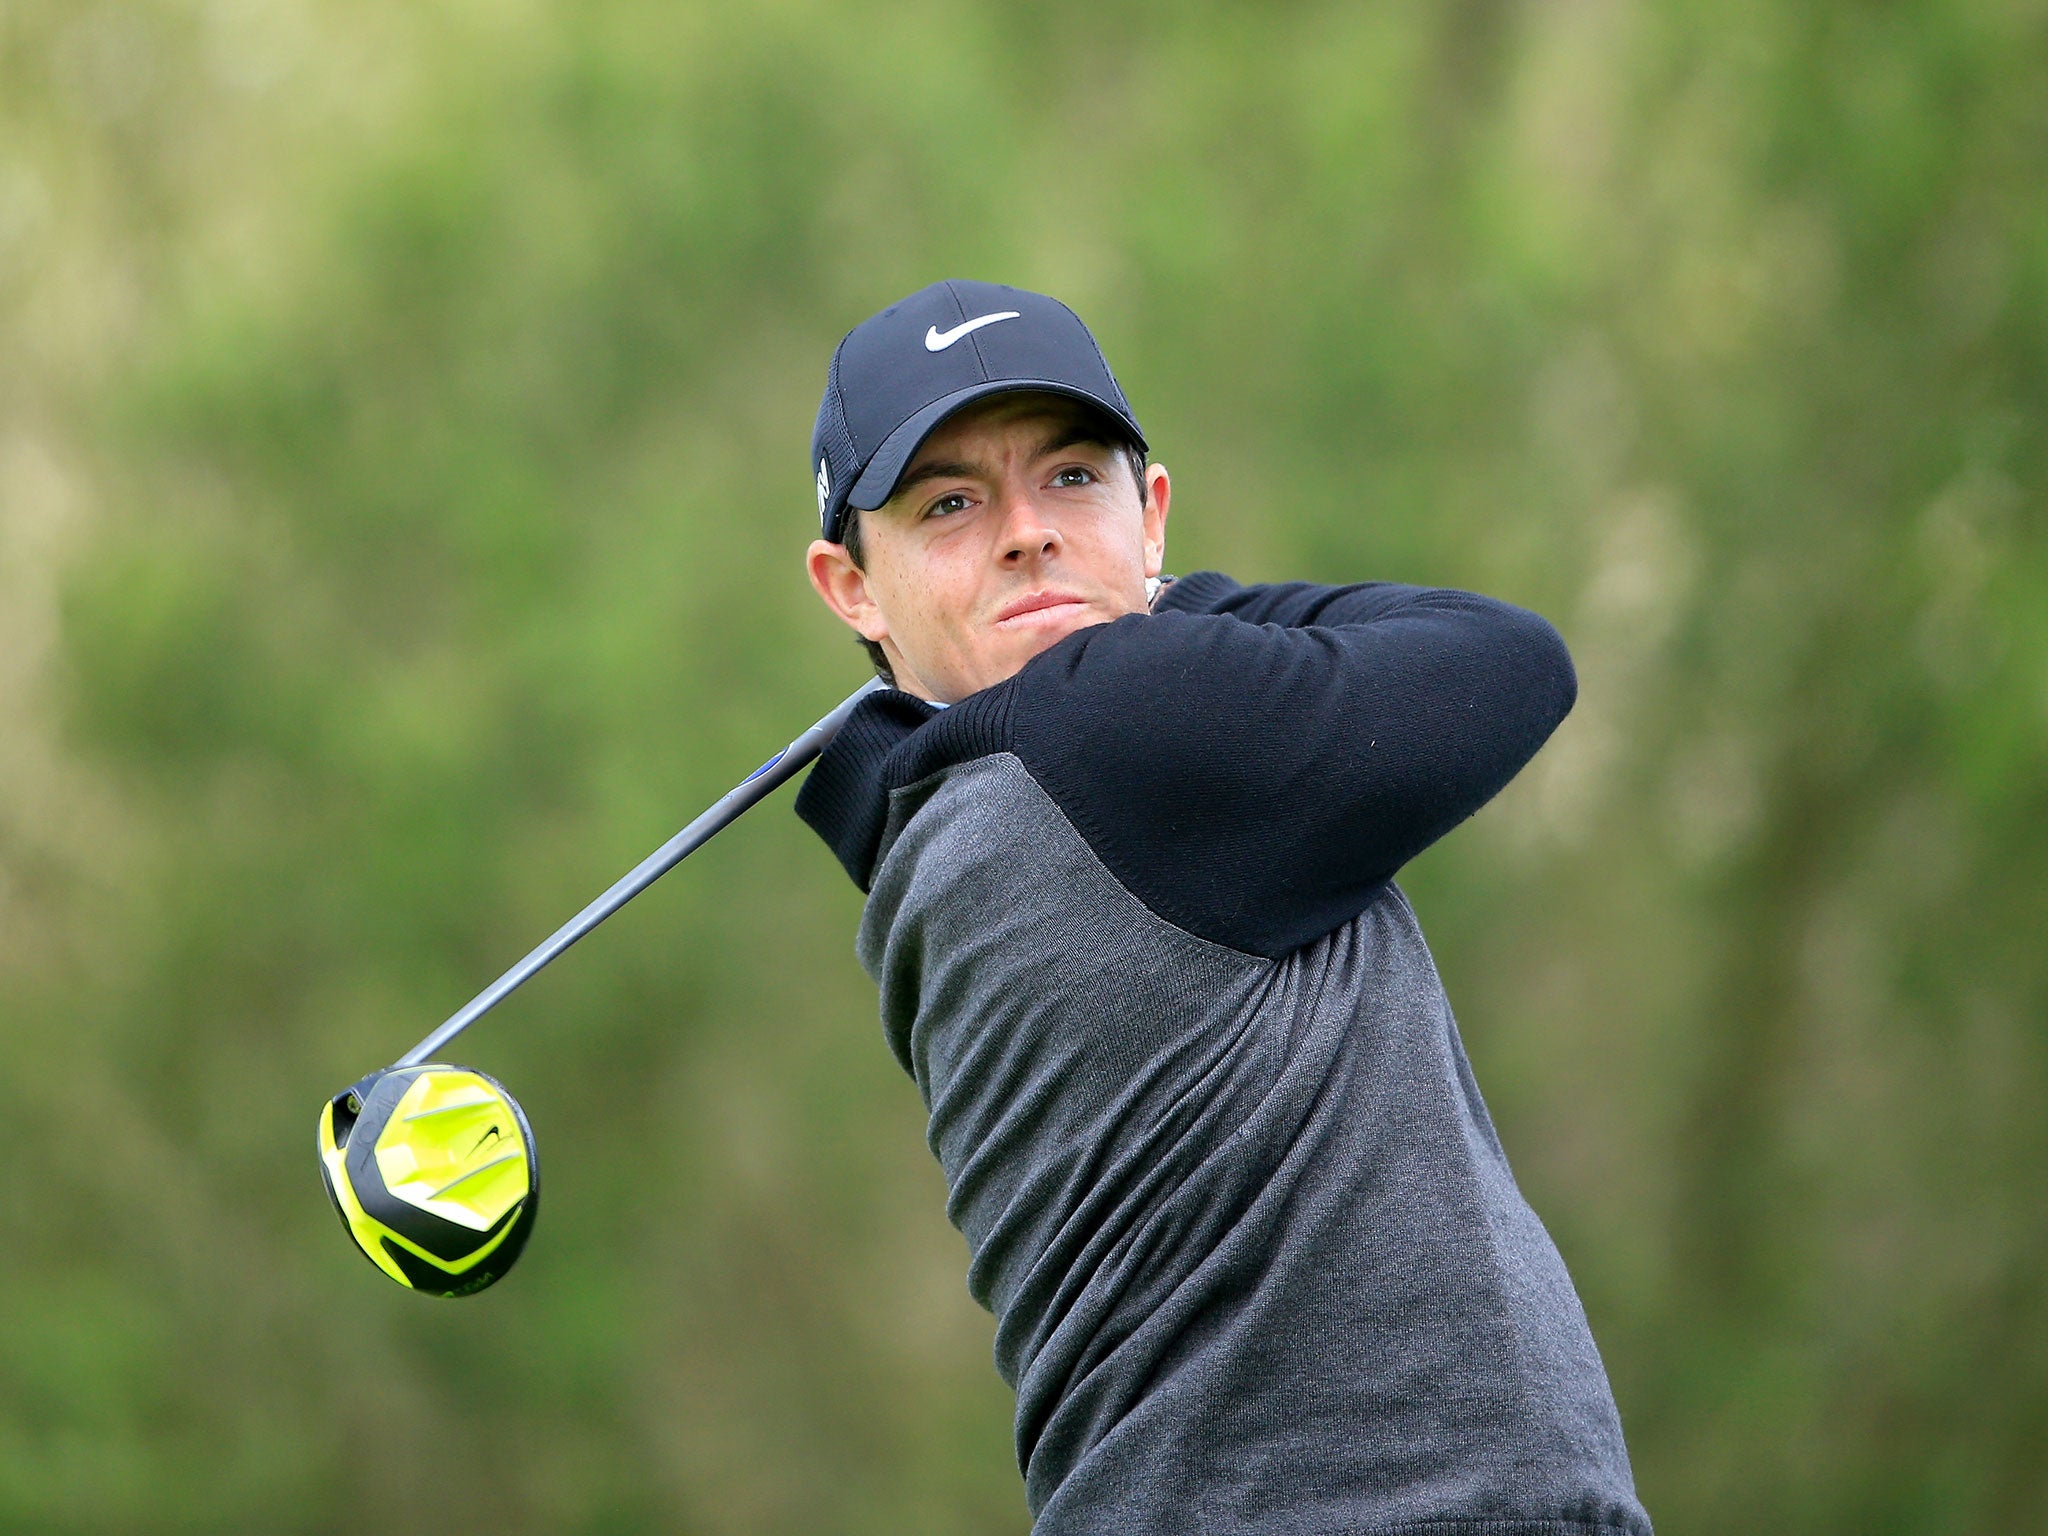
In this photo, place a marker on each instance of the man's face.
(1016, 524)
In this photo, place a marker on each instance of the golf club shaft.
(762, 781)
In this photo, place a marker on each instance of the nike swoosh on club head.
(936, 340)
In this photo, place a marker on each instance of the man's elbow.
(1533, 686)
(1553, 682)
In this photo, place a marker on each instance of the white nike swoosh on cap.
(936, 340)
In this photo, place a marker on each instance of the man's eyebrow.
(937, 469)
(1080, 432)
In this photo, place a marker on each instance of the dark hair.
(1132, 455)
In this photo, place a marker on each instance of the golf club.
(420, 1157)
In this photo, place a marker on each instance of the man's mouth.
(1039, 608)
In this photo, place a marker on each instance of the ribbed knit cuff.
(1197, 592)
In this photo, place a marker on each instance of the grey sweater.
(1257, 1260)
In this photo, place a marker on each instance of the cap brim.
(877, 480)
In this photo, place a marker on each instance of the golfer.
(1255, 1256)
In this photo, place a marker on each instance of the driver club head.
(433, 1171)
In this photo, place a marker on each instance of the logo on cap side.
(824, 487)
(936, 340)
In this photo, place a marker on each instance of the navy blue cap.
(900, 373)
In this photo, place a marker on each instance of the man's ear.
(844, 587)
(1158, 493)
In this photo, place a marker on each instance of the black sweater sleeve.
(1254, 762)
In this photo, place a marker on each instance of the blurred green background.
(403, 412)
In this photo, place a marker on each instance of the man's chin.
(1022, 642)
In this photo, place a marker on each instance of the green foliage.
(402, 490)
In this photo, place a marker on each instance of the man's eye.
(957, 502)
(1074, 474)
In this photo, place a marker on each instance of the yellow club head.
(432, 1169)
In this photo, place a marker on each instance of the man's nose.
(1026, 529)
